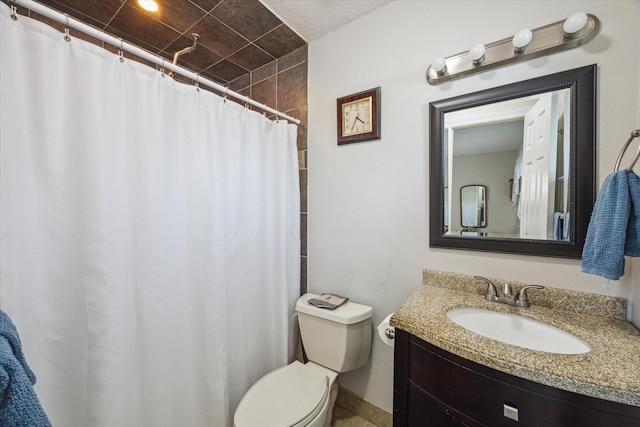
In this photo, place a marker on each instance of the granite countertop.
(610, 371)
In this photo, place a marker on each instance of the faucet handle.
(523, 297)
(492, 293)
(507, 290)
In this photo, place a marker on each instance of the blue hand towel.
(632, 242)
(19, 405)
(603, 252)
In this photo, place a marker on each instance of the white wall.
(368, 202)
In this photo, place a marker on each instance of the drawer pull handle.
(510, 411)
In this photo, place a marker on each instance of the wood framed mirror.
(532, 145)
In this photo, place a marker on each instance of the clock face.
(359, 117)
(356, 117)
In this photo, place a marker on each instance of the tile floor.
(350, 410)
(343, 417)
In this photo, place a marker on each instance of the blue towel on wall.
(19, 405)
(632, 242)
(614, 229)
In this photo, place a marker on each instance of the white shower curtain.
(149, 235)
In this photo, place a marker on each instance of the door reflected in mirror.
(531, 145)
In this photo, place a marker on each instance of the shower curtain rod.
(122, 45)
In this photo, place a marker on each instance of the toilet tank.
(337, 339)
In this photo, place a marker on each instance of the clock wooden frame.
(374, 133)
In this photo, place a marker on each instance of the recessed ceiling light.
(149, 5)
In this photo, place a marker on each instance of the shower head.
(185, 50)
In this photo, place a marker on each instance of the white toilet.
(303, 394)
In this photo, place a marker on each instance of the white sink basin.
(517, 330)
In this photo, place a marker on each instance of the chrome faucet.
(506, 296)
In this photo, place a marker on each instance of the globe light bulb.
(521, 40)
(476, 53)
(574, 24)
(439, 65)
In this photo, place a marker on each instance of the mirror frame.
(582, 82)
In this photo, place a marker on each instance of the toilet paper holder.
(386, 332)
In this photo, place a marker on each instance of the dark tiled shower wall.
(282, 84)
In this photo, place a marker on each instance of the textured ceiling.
(312, 19)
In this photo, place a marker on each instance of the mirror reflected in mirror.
(473, 207)
(532, 146)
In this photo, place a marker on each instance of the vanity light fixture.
(576, 30)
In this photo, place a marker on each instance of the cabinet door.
(412, 407)
(482, 399)
(427, 412)
(433, 387)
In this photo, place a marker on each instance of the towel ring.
(634, 134)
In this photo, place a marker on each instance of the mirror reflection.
(473, 207)
(531, 145)
(515, 149)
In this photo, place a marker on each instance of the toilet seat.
(290, 396)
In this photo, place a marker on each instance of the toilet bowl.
(300, 394)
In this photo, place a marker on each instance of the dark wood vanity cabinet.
(433, 388)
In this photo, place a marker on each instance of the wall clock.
(359, 117)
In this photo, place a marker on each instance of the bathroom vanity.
(446, 375)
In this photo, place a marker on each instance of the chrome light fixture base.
(544, 41)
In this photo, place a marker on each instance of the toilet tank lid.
(347, 313)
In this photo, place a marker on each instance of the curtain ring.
(162, 69)
(197, 84)
(120, 50)
(67, 37)
(226, 94)
(14, 12)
